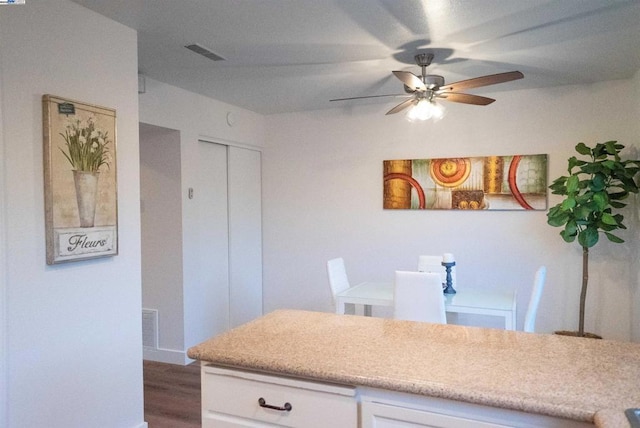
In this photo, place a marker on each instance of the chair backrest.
(534, 300)
(338, 279)
(417, 296)
(433, 264)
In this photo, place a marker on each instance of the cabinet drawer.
(389, 409)
(235, 394)
(383, 416)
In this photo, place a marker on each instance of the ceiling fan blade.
(491, 79)
(410, 80)
(371, 96)
(465, 98)
(403, 105)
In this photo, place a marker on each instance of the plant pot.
(575, 334)
(86, 183)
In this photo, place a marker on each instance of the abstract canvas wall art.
(515, 182)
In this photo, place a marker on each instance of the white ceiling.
(295, 55)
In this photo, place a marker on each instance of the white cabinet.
(387, 409)
(392, 416)
(236, 398)
(233, 398)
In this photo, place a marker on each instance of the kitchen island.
(385, 364)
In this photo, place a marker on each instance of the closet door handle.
(286, 408)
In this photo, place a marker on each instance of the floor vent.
(204, 52)
(150, 328)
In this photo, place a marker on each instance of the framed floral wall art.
(81, 204)
(516, 182)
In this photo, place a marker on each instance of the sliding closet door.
(245, 235)
(228, 198)
(211, 196)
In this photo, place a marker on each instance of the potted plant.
(86, 151)
(593, 191)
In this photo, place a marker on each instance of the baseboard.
(169, 356)
(143, 425)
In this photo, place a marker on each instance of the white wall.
(73, 337)
(161, 223)
(196, 118)
(322, 195)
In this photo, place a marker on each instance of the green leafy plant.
(86, 145)
(593, 190)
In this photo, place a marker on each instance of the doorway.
(201, 241)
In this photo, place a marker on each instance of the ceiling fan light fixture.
(425, 109)
(425, 88)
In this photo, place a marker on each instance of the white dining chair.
(534, 300)
(338, 279)
(417, 296)
(434, 264)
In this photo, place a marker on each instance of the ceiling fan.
(424, 89)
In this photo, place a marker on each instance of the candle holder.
(449, 289)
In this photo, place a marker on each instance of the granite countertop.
(575, 378)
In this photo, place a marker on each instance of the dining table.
(500, 303)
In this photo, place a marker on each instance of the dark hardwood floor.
(172, 395)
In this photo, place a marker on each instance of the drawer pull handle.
(286, 408)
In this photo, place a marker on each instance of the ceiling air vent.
(204, 52)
